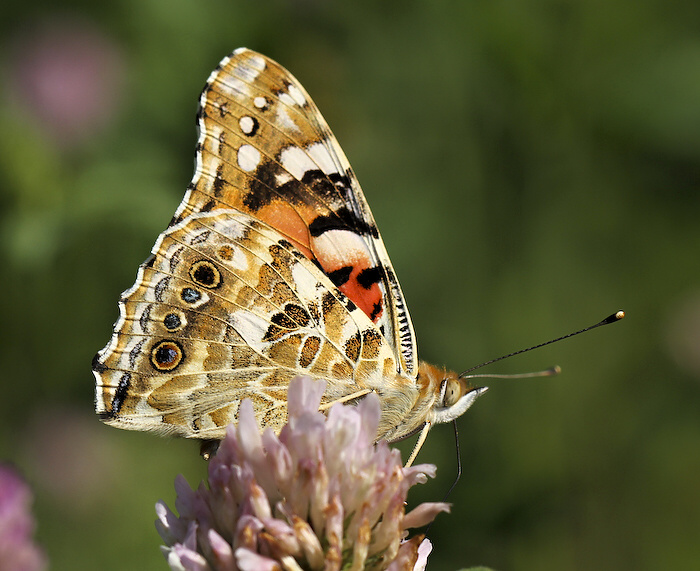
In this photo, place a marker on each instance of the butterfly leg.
(346, 398)
(419, 444)
(208, 448)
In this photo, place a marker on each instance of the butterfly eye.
(454, 389)
(166, 355)
(205, 274)
(173, 321)
(190, 295)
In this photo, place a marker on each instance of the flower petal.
(248, 560)
(304, 395)
(408, 555)
(309, 542)
(170, 528)
(424, 550)
(181, 557)
(222, 551)
(424, 513)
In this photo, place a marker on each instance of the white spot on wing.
(283, 178)
(337, 248)
(285, 120)
(260, 102)
(250, 68)
(321, 156)
(304, 282)
(298, 161)
(252, 328)
(286, 99)
(247, 124)
(248, 157)
(239, 260)
(233, 87)
(297, 95)
(225, 223)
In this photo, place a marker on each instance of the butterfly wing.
(225, 309)
(265, 149)
(272, 267)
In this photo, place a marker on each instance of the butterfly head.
(454, 394)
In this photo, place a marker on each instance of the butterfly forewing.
(265, 149)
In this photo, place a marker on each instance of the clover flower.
(319, 496)
(17, 550)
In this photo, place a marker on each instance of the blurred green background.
(533, 165)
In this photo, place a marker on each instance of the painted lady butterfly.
(272, 267)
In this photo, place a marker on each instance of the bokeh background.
(533, 165)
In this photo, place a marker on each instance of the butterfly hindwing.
(225, 309)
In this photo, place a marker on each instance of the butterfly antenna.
(459, 461)
(615, 317)
(459, 473)
(546, 373)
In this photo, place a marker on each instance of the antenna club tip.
(555, 370)
(613, 318)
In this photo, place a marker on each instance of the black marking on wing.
(254, 129)
(404, 332)
(298, 314)
(160, 288)
(119, 397)
(340, 276)
(97, 365)
(175, 259)
(342, 219)
(219, 182)
(283, 320)
(313, 189)
(376, 310)
(200, 237)
(370, 276)
(145, 318)
(223, 109)
(135, 352)
(263, 188)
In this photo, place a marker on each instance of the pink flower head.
(17, 550)
(322, 495)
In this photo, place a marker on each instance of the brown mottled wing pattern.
(227, 309)
(265, 149)
(272, 267)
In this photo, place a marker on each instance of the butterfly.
(272, 267)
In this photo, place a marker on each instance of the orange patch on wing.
(289, 221)
(293, 222)
(349, 251)
(368, 300)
